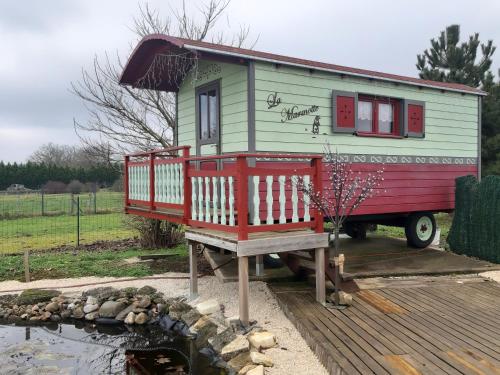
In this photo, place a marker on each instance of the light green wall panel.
(234, 115)
(451, 119)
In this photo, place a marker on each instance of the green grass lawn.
(22, 226)
(97, 263)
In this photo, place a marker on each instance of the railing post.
(126, 182)
(242, 170)
(318, 187)
(152, 181)
(187, 184)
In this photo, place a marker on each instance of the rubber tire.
(355, 230)
(272, 261)
(411, 229)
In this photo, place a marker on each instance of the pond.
(83, 348)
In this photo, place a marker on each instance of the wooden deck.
(417, 326)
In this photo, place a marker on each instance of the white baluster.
(282, 199)
(307, 199)
(269, 200)
(143, 183)
(215, 216)
(167, 184)
(177, 183)
(223, 200)
(200, 198)
(148, 183)
(256, 201)
(193, 198)
(162, 183)
(295, 200)
(181, 182)
(172, 183)
(207, 199)
(231, 201)
(157, 190)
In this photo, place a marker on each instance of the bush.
(117, 185)
(474, 230)
(156, 233)
(75, 187)
(54, 187)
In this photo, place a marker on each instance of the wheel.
(272, 261)
(420, 229)
(355, 230)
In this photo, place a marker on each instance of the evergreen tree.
(447, 61)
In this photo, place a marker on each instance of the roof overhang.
(143, 57)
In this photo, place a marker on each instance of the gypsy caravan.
(249, 121)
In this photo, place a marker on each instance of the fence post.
(77, 220)
(242, 204)
(125, 181)
(43, 203)
(95, 199)
(27, 265)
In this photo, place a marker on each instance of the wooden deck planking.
(422, 328)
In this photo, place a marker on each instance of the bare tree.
(124, 119)
(73, 156)
(346, 192)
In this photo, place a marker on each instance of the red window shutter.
(344, 111)
(415, 119)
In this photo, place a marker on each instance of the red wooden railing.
(236, 193)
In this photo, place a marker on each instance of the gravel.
(291, 356)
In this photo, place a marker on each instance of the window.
(208, 113)
(378, 116)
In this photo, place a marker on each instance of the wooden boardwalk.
(448, 326)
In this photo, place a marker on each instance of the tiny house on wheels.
(248, 121)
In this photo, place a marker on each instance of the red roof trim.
(168, 42)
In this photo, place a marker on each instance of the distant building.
(17, 188)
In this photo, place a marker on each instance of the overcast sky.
(45, 44)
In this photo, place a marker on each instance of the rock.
(24, 316)
(52, 307)
(259, 370)
(110, 309)
(247, 368)
(71, 306)
(46, 316)
(141, 318)
(34, 309)
(34, 318)
(144, 302)
(128, 292)
(261, 359)
(238, 345)
(55, 318)
(65, 314)
(78, 313)
(190, 317)
(91, 315)
(102, 293)
(208, 307)
(345, 298)
(240, 361)
(130, 318)
(177, 309)
(89, 308)
(91, 300)
(146, 290)
(204, 328)
(262, 340)
(222, 338)
(162, 308)
(32, 296)
(124, 313)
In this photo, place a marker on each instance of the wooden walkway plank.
(321, 335)
(357, 356)
(467, 325)
(485, 303)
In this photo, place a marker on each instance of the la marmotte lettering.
(292, 113)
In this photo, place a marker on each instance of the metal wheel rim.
(424, 228)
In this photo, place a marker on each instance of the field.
(36, 222)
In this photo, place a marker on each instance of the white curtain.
(364, 111)
(384, 113)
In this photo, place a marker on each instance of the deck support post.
(259, 265)
(243, 289)
(320, 275)
(193, 271)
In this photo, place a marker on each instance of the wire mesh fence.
(37, 221)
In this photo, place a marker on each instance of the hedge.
(475, 230)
